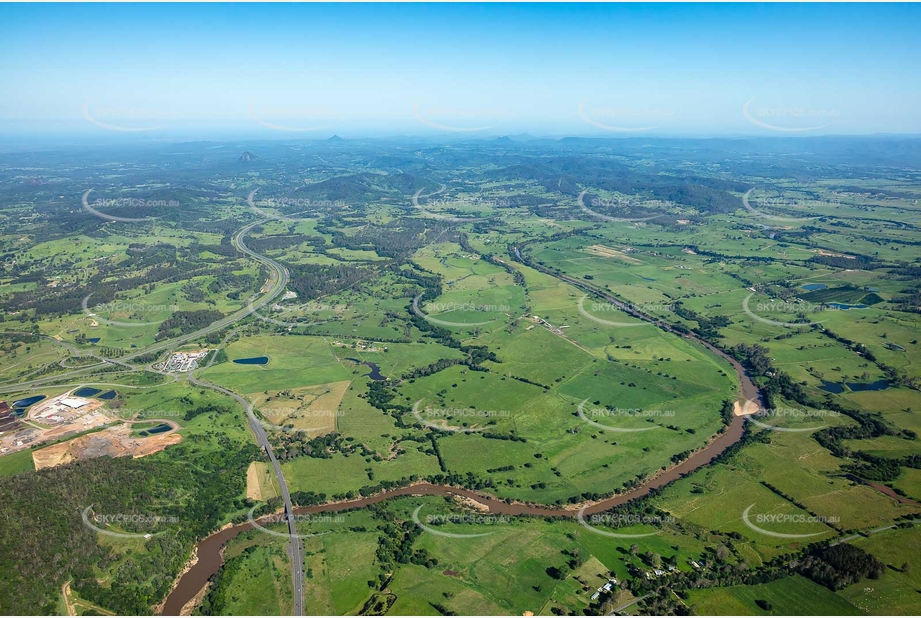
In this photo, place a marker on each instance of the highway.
(294, 546)
(277, 281)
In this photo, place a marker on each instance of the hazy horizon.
(458, 71)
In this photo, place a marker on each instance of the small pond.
(255, 360)
(28, 401)
(838, 388)
(162, 427)
(375, 370)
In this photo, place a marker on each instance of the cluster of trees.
(395, 544)
(316, 280)
(839, 566)
(397, 239)
(215, 602)
(206, 409)
(44, 542)
(184, 322)
(707, 327)
(291, 444)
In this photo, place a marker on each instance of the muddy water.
(209, 550)
(209, 561)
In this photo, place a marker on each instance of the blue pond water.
(86, 391)
(94, 339)
(28, 401)
(256, 360)
(814, 286)
(108, 395)
(846, 307)
(162, 427)
(871, 386)
(375, 370)
(837, 387)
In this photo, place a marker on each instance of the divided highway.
(278, 280)
(294, 547)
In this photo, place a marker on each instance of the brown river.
(210, 550)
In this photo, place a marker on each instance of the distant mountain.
(504, 140)
(247, 156)
(335, 138)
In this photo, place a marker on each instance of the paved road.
(278, 280)
(294, 547)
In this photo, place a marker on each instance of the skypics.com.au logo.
(125, 119)
(122, 520)
(765, 418)
(298, 419)
(292, 119)
(131, 307)
(122, 203)
(452, 307)
(788, 203)
(801, 308)
(458, 119)
(296, 518)
(282, 203)
(463, 519)
(788, 119)
(482, 202)
(581, 201)
(623, 119)
(622, 520)
(643, 308)
(788, 521)
(433, 415)
(589, 414)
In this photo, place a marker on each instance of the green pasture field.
(293, 361)
(506, 570)
(909, 482)
(794, 595)
(397, 360)
(14, 463)
(21, 359)
(896, 592)
(341, 474)
(262, 585)
(339, 565)
(797, 466)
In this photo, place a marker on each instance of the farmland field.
(521, 376)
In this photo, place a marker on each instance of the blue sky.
(460, 70)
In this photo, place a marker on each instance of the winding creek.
(209, 551)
